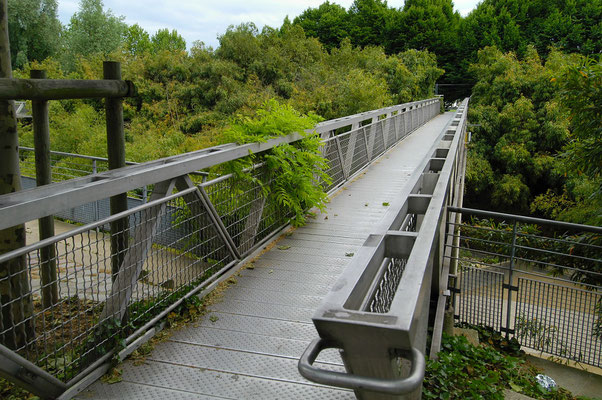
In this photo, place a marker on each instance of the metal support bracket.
(185, 182)
(343, 163)
(509, 287)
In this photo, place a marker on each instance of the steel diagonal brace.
(129, 271)
(249, 234)
(183, 183)
(17, 369)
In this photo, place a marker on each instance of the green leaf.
(515, 387)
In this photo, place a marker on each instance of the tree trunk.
(16, 327)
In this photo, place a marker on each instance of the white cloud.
(204, 20)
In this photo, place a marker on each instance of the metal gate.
(534, 280)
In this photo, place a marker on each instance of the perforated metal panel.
(383, 297)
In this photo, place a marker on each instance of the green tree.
(93, 31)
(329, 23)
(426, 25)
(137, 41)
(163, 39)
(581, 93)
(34, 30)
(512, 25)
(520, 130)
(368, 20)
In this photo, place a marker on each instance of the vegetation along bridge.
(336, 308)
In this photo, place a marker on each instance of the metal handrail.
(94, 225)
(528, 220)
(350, 381)
(29, 375)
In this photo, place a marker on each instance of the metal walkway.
(248, 345)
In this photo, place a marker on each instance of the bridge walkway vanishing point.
(249, 343)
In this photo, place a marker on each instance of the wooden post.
(116, 156)
(15, 296)
(41, 138)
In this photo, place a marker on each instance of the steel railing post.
(510, 278)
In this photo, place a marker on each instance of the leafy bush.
(464, 371)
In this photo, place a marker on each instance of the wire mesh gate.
(535, 280)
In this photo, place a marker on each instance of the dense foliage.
(296, 170)
(510, 25)
(185, 100)
(536, 109)
(465, 371)
(536, 143)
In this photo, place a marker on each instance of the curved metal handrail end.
(350, 381)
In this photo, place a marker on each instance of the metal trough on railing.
(376, 314)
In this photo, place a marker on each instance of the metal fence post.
(510, 287)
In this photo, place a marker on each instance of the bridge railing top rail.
(15, 208)
(355, 119)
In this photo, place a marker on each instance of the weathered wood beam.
(116, 156)
(58, 89)
(16, 306)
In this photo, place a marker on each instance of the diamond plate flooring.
(248, 345)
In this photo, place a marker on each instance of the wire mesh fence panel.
(346, 147)
(379, 140)
(239, 202)
(360, 154)
(551, 281)
(274, 217)
(400, 124)
(66, 335)
(389, 281)
(480, 301)
(335, 167)
(392, 131)
(559, 320)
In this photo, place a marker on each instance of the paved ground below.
(579, 381)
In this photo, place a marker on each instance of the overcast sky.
(204, 20)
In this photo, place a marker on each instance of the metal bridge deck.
(248, 345)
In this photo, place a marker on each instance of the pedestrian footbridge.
(368, 270)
